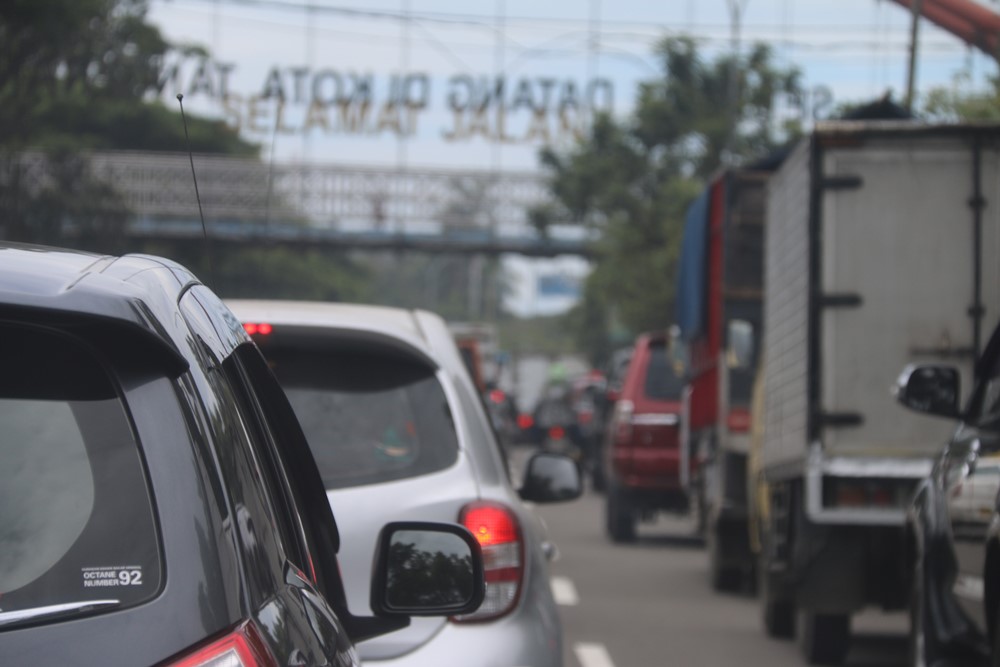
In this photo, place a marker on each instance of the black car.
(158, 501)
(953, 527)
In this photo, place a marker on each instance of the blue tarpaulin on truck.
(692, 272)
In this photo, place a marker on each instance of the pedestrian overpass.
(335, 206)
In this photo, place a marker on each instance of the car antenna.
(197, 195)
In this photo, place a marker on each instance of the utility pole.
(736, 9)
(911, 71)
(593, 50)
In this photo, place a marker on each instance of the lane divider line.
(592, 655)
(564, 591)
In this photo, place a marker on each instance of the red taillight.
(524, 422)
(738, 420)
(491, 524)
(499, 534)
(497, 396)
(243, 647)
(254, 328)
(557, 433)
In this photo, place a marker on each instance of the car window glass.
(480, 427)
(986, 403)
(47, 488)
(661, 380)
(76, 520)
(256, 515)
(262, 443)
(368, 418)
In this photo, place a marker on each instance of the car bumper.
(531, 637)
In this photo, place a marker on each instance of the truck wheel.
(777, 613)
(995, 658)
(825, 637)
(621, 516)
(922, 649)
(597, 477)
(724, 579)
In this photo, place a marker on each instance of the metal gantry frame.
(349, 205)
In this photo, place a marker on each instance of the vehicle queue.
(345, 496)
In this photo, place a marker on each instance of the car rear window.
(76, 520)
(661, 381)
(369, 416)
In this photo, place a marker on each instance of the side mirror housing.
(551, 478)
(740, 345)
(427, 569)
(933, 390)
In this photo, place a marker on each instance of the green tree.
(632, 179)
(950, 104)
(77, 74)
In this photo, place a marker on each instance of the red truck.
(718, 318)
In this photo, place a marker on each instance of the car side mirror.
(740, 344)
(551, 478)
(933, 390)
(427, 569)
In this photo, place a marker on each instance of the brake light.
(499, 534)
(497, 396)
(738, 420)
(524, 422)
(557, 433)
(254, 328)
(863, 493)
(243, 647)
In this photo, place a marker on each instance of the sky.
(557, 58)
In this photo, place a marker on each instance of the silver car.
(399, 431)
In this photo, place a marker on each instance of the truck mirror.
(739, 351)
(930, 389)
(677, 351)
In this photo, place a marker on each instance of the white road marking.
(564, 591)
(592, 655)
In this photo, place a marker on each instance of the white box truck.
(881, 250)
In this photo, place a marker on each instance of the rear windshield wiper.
(55, 611)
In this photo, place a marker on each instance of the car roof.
(136, 294)
(421, 331)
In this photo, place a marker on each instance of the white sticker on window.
(109, 577)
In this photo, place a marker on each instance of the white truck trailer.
(881, 250)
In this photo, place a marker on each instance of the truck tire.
(921, 649)
(621, 515)
(777, 612)
(825, 637)
(597, 477)
(724, 579)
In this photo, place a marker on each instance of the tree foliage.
(954, 104)
(76, 74)
(633, 178)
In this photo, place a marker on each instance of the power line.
(486, 22)
(877, 42)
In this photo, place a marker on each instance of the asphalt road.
(649, 604)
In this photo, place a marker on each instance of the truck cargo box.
(871, 238)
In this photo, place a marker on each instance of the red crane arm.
(971, 22)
